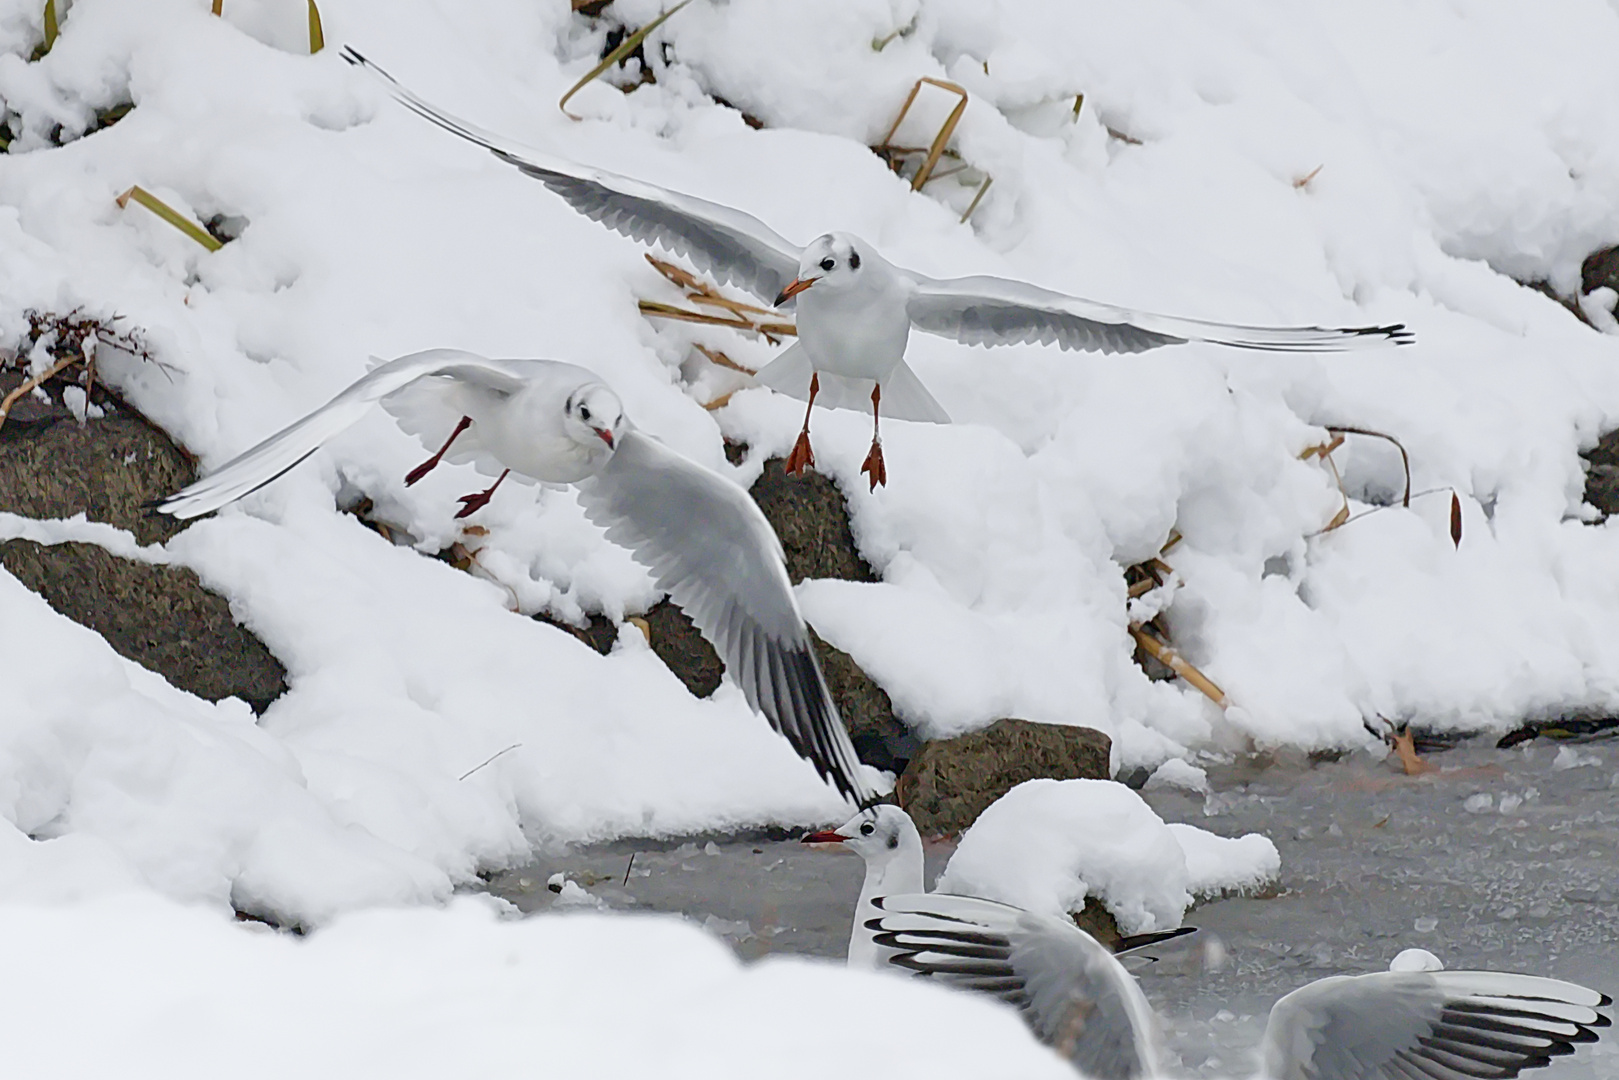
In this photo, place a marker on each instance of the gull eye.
(828, 265)
(867, 828)
(584, 412)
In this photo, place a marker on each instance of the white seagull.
(1073, 993)
(855, 309)
(704, 539)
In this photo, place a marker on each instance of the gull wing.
(256, 467)
(1072, 992)
(712, 549)
(733, 246)
(999, 311)
(1419, 1025)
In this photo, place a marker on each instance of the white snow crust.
(1455, 147)
(434, 993)
(1046, 845)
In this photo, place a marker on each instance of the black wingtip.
(354, 56)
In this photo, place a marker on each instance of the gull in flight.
(706, 542)
(1412, 1022)
(856, 309)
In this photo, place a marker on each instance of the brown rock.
(951, 781)
(1602, 474)
(158, 616)
(812, 521)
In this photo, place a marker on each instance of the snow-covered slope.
(1452, 146)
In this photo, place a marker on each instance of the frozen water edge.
(1528, 882)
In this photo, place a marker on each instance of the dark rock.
(951, 781)
(1098, 922)
(812, 521)
(1602, 474)
(158, 616)
(1600, 268)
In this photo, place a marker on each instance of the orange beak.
(794, 287)
(823, 838)
(606, 436)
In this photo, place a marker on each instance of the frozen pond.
(1505, 859)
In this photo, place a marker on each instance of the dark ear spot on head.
(854, 259)
(893, 841)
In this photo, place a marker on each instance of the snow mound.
(172, 991)
(1046, 845)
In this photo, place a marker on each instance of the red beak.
(794, 287)
(606, 436)
(823, 838)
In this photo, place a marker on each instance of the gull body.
(1071, 990)
(856, 309)
(704, 539)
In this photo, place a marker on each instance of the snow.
(1047, 845)
(426, 993)
(1454, 148)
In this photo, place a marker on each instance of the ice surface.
(1373, 863)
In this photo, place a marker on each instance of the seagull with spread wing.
(856, 309)
(705, 540)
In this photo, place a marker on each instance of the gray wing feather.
(1449, 1025)
(999, 311)
(733, 246)
(1072, 992)
(256, 467)
(712, 549)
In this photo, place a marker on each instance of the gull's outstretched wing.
(731, 245)
(1072, 992)
(254, 468)
(999, 311)
(1420, 1025)
(712, 549)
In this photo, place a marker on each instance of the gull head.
(878, 834)
(593, 416)
(1416, 960)
(834, 261)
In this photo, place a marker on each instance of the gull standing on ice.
(1073, 993)
(705, 540)
(855, 309)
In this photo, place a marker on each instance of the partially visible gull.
(856, 309)
(705, 541)
(1073, 993)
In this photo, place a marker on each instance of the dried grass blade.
(317, 38)
(1173, 660)
(719, 402)
(717, 357)
(219, 7)
(944, 134)
(28, 384)
(669, 311)
(53, 28)
(1405, 459)
(170, 215)
(1455, 519)
(625, 47)
(977, 198)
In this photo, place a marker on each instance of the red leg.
(874, 460)
(802, 456)
(471, 504)
(427, 466)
